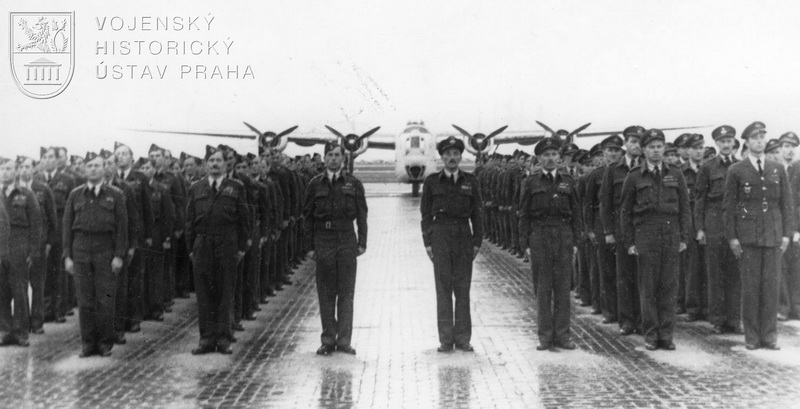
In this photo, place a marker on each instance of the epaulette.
(235, 181)
(114, 189)
(81, 187)
(195, 183)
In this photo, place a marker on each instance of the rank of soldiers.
(642, 230)
(660, 229)
(120, 239)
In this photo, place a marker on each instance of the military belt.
(450, 220)
(333, 224)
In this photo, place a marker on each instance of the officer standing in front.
(550, 217)
(24, 243)
(451, 201)
(724, 284)
(759, 221)
(655, 226)
(217, 231)
(95, 244)
(332, 201)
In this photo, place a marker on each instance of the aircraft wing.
(532, 137)
(222, 135)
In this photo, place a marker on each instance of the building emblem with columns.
(42, 52)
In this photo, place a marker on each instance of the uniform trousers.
(759, 267)
(658, 248)
(335, 252)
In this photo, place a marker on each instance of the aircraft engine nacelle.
(479, 144)
(272, 141)
(354, 145)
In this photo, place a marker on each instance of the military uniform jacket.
(223, 213)
(275, 199)
(337, 203)
(163, 212)
(23, 213)
(690, 176)
(758, 209)
(61, 184)
(794, 181)
(177, 195)
(442, 202)
(261, 207)
(284, 182)
(106, 213)
(611, 196)
(47, 207)
(549, 204)
(5, 230)
(592, 200)
(709, 191)
(144, 209)
(131, 210)
(647, 199)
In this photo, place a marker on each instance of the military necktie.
(727, 161)
(550, 177)
(655, 173)
(760, 170)
(214, 186)
(453, 180)
(122, 174)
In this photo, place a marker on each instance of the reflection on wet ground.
(274, 363)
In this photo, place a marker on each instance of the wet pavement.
(274, 363)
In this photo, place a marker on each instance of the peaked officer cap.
(652, 135)
(669, 147)
(613, 141)
(569, 149)
(772, 144)
(451, 142)
(790, 137)
(155, 148)
(694, 141)
(709, 153)
(633, 130)
(545, 145)
(597, 149)
(755, 128)
(724, 131)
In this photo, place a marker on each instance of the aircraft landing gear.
(414, 189)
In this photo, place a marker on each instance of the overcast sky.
(359, 64)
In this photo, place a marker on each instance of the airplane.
(415, 147)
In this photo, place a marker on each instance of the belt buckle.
(764, 206)
(328, 225)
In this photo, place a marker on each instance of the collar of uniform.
(754, 158)
(333, 175)
(447, 173)
(554, 172)
(661, 167)
(94, 188)
(693, 166)
(219, 180)
(628, 161)
(27, 185)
